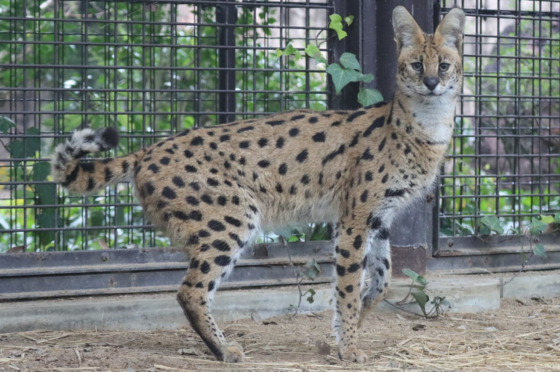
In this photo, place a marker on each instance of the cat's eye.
(444, 66)
(417, 66)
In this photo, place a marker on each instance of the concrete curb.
(161, 311)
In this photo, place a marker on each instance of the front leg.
(350, 262)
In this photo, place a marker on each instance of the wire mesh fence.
(504, 159)
(149, 69)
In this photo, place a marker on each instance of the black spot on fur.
(224, 138)
(178, 181)
(275, 122)
(344, 253)
(382, 144)
(364, 196)
(313, 120)
(180, 215)
(336, 123)
(293, 132)
(333, 154)
(154, 168)
(193, 239)
(280, 142)
(207, 199)
(197, 141)
(195, 186)
(190, 169)
(88, 167)
(354, 115)
(222, 261)
(222, 200)
(216, 225)
(245, 129)
(383, 234)
(302, 156)
(349, 288)
(385, 178)
(188, 154)
(221, 245)
(305, 179)
(279, 187)
(244, 144)
(235, 200)
(319, 137)
(293, 190)
(262, 142)
(357, 242)
(297, 117)
(386, 263)
(195, 215)
(108, 174)
(91, 184)
(369, 176)
(263, 163)
(367, 155)
(377, 123)
(192, 200)
(354, 267)
(205, 267)
(283, 168)
(150, 188)
(168, 193)
(394, 193)
(340, 270)
(232, 221)
(212, 182)
(355, 140)
(374, 222)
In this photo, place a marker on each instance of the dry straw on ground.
(522, 336)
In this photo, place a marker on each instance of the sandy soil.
(521, 336)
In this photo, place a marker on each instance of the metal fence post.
(226, 15)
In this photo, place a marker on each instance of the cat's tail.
(83, 177)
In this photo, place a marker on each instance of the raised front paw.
(353, 354)
(233, 353)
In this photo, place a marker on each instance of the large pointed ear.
(407, 32)
(450, 30)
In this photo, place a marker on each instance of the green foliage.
(422, 299)
(337, 26)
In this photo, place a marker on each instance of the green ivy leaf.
(538, 250)
(311, 269)
(414, 276)
(349, 60)
(293, 239)
(537, 226)
(547, 219)
(366, 78)
(32, 144)
(6, 124)
(311, 49)
(312, 293)
(41, 171)
(336, 24)
(557, 218)
(278, 53)
(46, 192)
(493, 223)
(16, 149)
(349, 20)
(422, 298)
(368, 96)
(297, 55)
(289, 50)
(342, 76)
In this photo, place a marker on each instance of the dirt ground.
(521, 336)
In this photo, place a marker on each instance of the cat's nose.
(431, 82)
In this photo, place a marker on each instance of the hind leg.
(213, 255)
(378, 272)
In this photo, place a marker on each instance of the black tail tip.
(110, 137)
